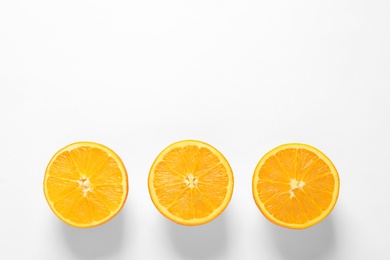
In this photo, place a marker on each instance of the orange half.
(190, 182)
(295, 185)
(85, 184)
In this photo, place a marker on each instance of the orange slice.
(190, 182)
(295, 186)
(85, 184)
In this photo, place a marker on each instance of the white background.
(244, 76)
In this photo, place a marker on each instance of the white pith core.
(190, 180)
(295, 185)
(85, 185)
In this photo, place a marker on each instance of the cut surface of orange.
(295, 185)
(190, 182)
(85, 184)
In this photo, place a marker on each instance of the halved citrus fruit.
(85, 184)
(295, 185)
(190, 182)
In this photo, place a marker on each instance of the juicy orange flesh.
(97, 197)
(289, 203)
(192, 199)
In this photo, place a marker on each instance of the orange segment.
(190, 182)
(295, 185)
(85, 184)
